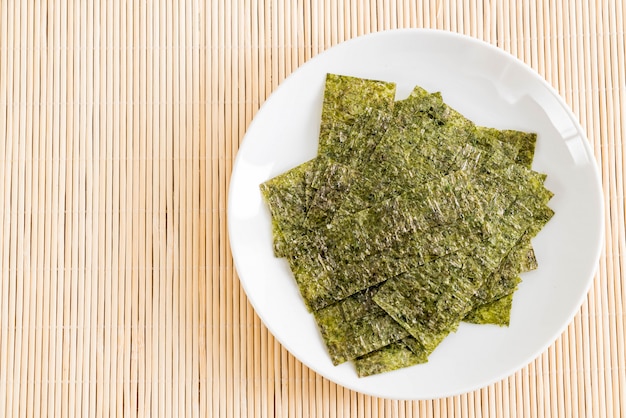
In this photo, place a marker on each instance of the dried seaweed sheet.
(332, 263)
(388, 198)
(497, 312)
(355, 114)
(516, 145)
(391, 357)
(503, 282)
(323, 280)
(426, 139)
(416, 148)
(330, 181)
(356, 326)
(345, 100)
(430, 300)
(284, 195)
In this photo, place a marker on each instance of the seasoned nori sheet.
(284, 195)
(521, 258)
(427, 139)
(356, 326)
(410, 220)
(324, 279)
(332, 263)
(330, 181)
(416, 148)
(518, 146)
(394, 356)
(355, 114)
(346, 99)
(433, 298)
(496, 312)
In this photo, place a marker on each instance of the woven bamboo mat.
(119, 123)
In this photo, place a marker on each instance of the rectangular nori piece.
(394, 356)
(356, 326)
(505, 279)
(430, 300)
(424, 141)
(346, 99)
(355, 114)
(327, 262)
(496, 312)
(323, 280)
(284, 195)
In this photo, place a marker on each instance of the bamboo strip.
(113, 133)
(203, 340)
(158, 272)
(176, 230)
(33, 212)
(158, 402)
(73, 198)
(47, 98)
(112, 154)
(128, 140)
(142, 107)
(39, 140)
(92, 214)
(13, 136)
(228, 110)
(151, 268)
(171, 364)
(67, 155)
(186, 210)
(199, 226)
(137, 327)
(104, 230)
(188, 140)
(82, 275)
(215, 92)
(5, 74)
(24, 194)
(54, 395)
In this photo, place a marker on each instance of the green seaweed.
(394, 356)
(410, 219)
(497, 312)
(355, 115)
(346, 99)
(430, 300)
(284, 196)
(356, 326)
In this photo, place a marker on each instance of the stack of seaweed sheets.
(410, 220)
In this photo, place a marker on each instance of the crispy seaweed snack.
(410, 220)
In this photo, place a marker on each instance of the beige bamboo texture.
(119, 123)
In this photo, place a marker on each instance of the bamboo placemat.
(119, 123)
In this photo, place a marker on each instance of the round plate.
(488, 86)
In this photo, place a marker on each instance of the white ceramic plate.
(490, 87)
